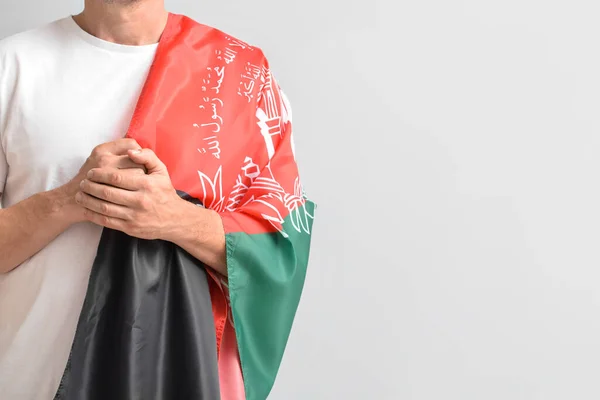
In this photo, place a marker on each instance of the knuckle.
(135, 221)
(129, 215)
(130, 142)
(132, 225)
(143, 202)
(104, 220)
(96, 151)
(115, 178)
(102, 160)
(146, 185)
(106, 194)
(104, 209)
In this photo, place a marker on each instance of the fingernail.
(90, 174)
(78, 197)
(82, 183)
(136, 151)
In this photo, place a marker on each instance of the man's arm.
(200, 232)
(28, 226)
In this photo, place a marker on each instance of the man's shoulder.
(30, 39)
(226, 45)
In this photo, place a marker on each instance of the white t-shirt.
(62, 92)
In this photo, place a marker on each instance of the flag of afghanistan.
(156, 323)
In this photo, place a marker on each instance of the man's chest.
(54, 123)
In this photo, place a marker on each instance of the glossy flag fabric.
(158, 324)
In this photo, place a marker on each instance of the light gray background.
(452, 147)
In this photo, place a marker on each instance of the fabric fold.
(146, 329)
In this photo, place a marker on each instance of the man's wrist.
(200, 232)
(60, 204)
(181, 227)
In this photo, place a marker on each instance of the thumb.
(149, 159)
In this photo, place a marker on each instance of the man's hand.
(108, 155)
(148, 207)
(140, 205)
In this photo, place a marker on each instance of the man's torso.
(62, 92)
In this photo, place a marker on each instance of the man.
(153, 229)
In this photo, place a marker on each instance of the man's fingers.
(109, 193)
(102, 220)
(122, 146)
(128, 179)
(124, 162)
(103, 207)
(118, 147)
(149, 159)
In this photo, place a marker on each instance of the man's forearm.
(28, 226)
(200, 232)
